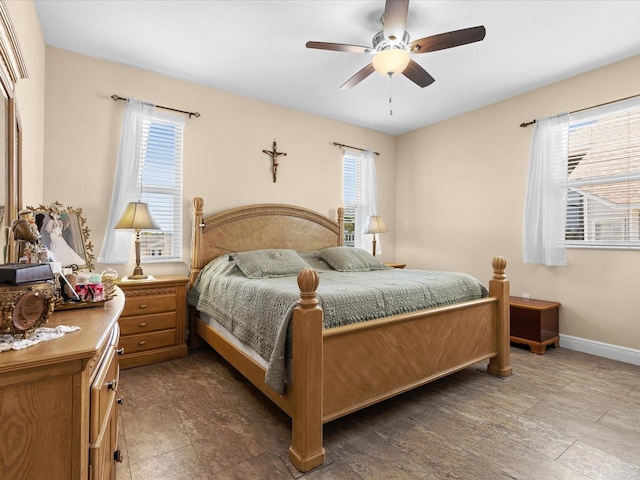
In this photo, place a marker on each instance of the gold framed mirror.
(12, 69)
(64, 232)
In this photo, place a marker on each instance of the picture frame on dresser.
(73, 234)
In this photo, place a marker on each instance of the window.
(357, 196)
(350, 197)
(160, 180)
(603, 177)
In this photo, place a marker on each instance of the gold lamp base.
(137, 274)
(137, 271)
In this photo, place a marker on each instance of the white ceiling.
(257, 49)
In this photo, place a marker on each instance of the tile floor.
(563, 415)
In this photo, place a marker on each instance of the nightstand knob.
(143, 324)
(117, 456)
(144, 305)
(112, 384)
(142, 342)
(120, 351)
(120, 401)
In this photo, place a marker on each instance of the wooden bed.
(385, 357)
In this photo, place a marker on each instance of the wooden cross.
(274, 154)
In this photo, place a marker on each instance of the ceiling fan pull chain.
(390, 97)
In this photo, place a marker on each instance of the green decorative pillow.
(269, 263)
(349, 259)
(315, 261)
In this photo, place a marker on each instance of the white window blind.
(354, 200)
(160, 179)
(603, 177)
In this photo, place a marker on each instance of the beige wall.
(452, 193)
(30, 97)
(460, 194)
(223, 159)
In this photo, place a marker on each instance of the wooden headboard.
(254, 227)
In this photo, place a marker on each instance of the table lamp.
(137, 217)
(375, 225)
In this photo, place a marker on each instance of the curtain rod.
(355, 148)
(195, 114)
(526, 124)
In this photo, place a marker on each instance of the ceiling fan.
(392, 51)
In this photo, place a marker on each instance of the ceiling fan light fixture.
(391, 62)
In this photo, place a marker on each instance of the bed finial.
(198, 203)
(499, 264)
(308, 281)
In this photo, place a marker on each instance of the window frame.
(152, 185)
(587, 212)
(354, 201)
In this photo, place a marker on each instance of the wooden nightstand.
(534, 323)
(395, 265)
(153, 321)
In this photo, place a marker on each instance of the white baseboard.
(606, 350)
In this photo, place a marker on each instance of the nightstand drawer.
(147, 305)
(147, 323)
(147, 341)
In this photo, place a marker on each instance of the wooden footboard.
(362, 364)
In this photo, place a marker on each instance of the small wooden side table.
(395, 265)
(534, 323)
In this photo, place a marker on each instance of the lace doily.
(42, 334)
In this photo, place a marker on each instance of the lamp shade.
(375, 225)
(391, 61)
(137, 217)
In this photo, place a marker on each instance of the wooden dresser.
(153, 323)
(59, 400)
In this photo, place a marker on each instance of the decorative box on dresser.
(153, 322)
(59, 401)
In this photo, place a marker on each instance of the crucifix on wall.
(274, 154)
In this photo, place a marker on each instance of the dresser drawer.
(148, 305)
(147, 323)
(95, 362)
(103, 393)
(148, 341)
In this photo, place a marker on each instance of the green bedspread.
(257, 311)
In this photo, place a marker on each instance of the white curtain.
(543, 235)
(370, 206)
(116, 247)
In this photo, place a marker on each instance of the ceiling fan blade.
(395, 19)
(418, 75)
(448, 40)
(358, 77)
(338, 47)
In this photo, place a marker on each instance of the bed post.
(306, 451)
(340, 226)
(195, 267)
(499, 287)
(196, 240)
